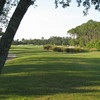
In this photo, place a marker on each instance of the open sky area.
(46, 21)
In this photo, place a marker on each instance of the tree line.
(87, 34)
(54, 40)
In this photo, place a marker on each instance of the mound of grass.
(37, 74)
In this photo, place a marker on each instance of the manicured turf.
(37, 74)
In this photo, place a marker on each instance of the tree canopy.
(87, 32)
(86, 3)
(7, 5)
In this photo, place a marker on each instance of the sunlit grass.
(43, 75)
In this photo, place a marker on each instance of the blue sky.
(45, 20)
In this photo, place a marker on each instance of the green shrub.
(48, 47)
(68, 50)
(97, 45)
(79, 50)
(63, 49)
(74, 50)
(58, 49)
(90, 45)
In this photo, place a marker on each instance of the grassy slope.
(41, 75)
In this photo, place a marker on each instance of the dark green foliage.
(67, 49)
(81, 41)
(54, 40)
(90, 44)
(48, 47)
(58, 49)
(72, 42)
(78, 50)
(85, 33)
(6, 7)
(97, 45)
(86, 3)
(74, 50)
(63, 49)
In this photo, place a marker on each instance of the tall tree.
(87, 32)
(14, 23)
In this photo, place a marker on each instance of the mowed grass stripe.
(37, 74)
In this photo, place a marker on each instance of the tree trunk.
(2, 3)
(8, 36)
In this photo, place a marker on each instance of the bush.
(93, 46)
(63, 49)
(48, 47)
(90, 45)
(97, 45)
(74, 50)
(58, 49)
(79, 50)
(68, 50)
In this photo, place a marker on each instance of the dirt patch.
(11, 56)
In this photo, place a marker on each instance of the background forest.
(85, 35)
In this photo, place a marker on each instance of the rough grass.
(37, 74)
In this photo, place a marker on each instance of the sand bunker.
(11, 56)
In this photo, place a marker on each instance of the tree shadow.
(50, 75)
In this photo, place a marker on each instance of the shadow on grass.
(29, 51)
(50, 75)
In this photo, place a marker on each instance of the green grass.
(37, 74)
